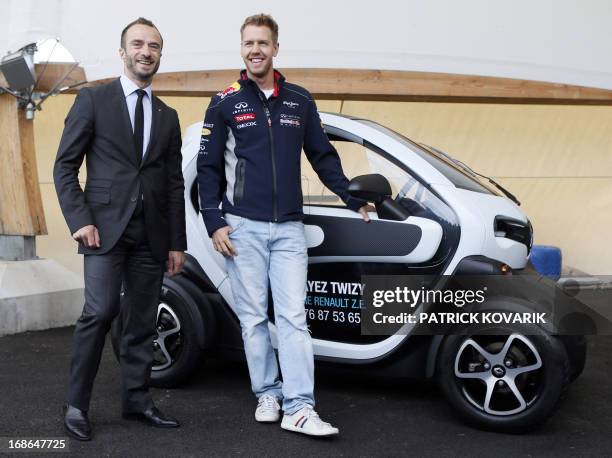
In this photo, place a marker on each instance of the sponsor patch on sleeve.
(202, 149)
(206, 131)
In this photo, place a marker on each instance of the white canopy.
(563, 41)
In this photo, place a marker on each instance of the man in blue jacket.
(249, 161)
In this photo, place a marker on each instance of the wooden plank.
(395, 85)
(349, 84)
(21, 210)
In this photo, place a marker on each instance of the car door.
(342, 247)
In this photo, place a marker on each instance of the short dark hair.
(141, 21)
(262, 20)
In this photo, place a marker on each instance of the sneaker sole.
(265, 420)
(295, 429)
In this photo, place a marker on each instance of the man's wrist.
(355, 204)
(213, 220)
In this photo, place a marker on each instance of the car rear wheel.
(507, 379)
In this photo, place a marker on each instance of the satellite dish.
(19, 72)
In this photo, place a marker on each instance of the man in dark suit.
(128, 221)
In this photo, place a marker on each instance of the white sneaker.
(307, 421)
(268, 409)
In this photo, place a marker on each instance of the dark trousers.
(131, 263)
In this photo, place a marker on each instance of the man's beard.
(263, 72)
(131, 65)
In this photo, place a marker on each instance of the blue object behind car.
(547, 260)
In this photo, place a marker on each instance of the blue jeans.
(274, 253)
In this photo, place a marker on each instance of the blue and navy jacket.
(249, 158)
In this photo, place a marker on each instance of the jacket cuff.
(178, 246)
(355, 204)
(79, 221)
(213, 220)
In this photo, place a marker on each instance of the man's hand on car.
(221, 241)
(88, 236)
(363, 211)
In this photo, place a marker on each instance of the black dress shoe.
(154, 417)
(76, 423)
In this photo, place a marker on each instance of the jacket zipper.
(239, 182)
(274, 189)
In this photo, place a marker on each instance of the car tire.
(576, 347)
(534, 373)
(177, 353)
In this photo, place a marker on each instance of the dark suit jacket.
(98, 128)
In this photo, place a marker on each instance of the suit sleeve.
(76, 139)
(176, 191)
(325, 160)
(211, 170)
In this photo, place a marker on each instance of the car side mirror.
(373, 188)
(376, 188)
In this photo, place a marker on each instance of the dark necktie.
(139, 126)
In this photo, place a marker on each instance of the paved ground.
(376, 417)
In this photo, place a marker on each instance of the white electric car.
(435, 217)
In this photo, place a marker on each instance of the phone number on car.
(336, 316)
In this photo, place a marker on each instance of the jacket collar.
(279, 79)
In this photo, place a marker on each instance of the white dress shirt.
(129, 90)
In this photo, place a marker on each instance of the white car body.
(475, 213)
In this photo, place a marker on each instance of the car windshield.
(457, 173)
